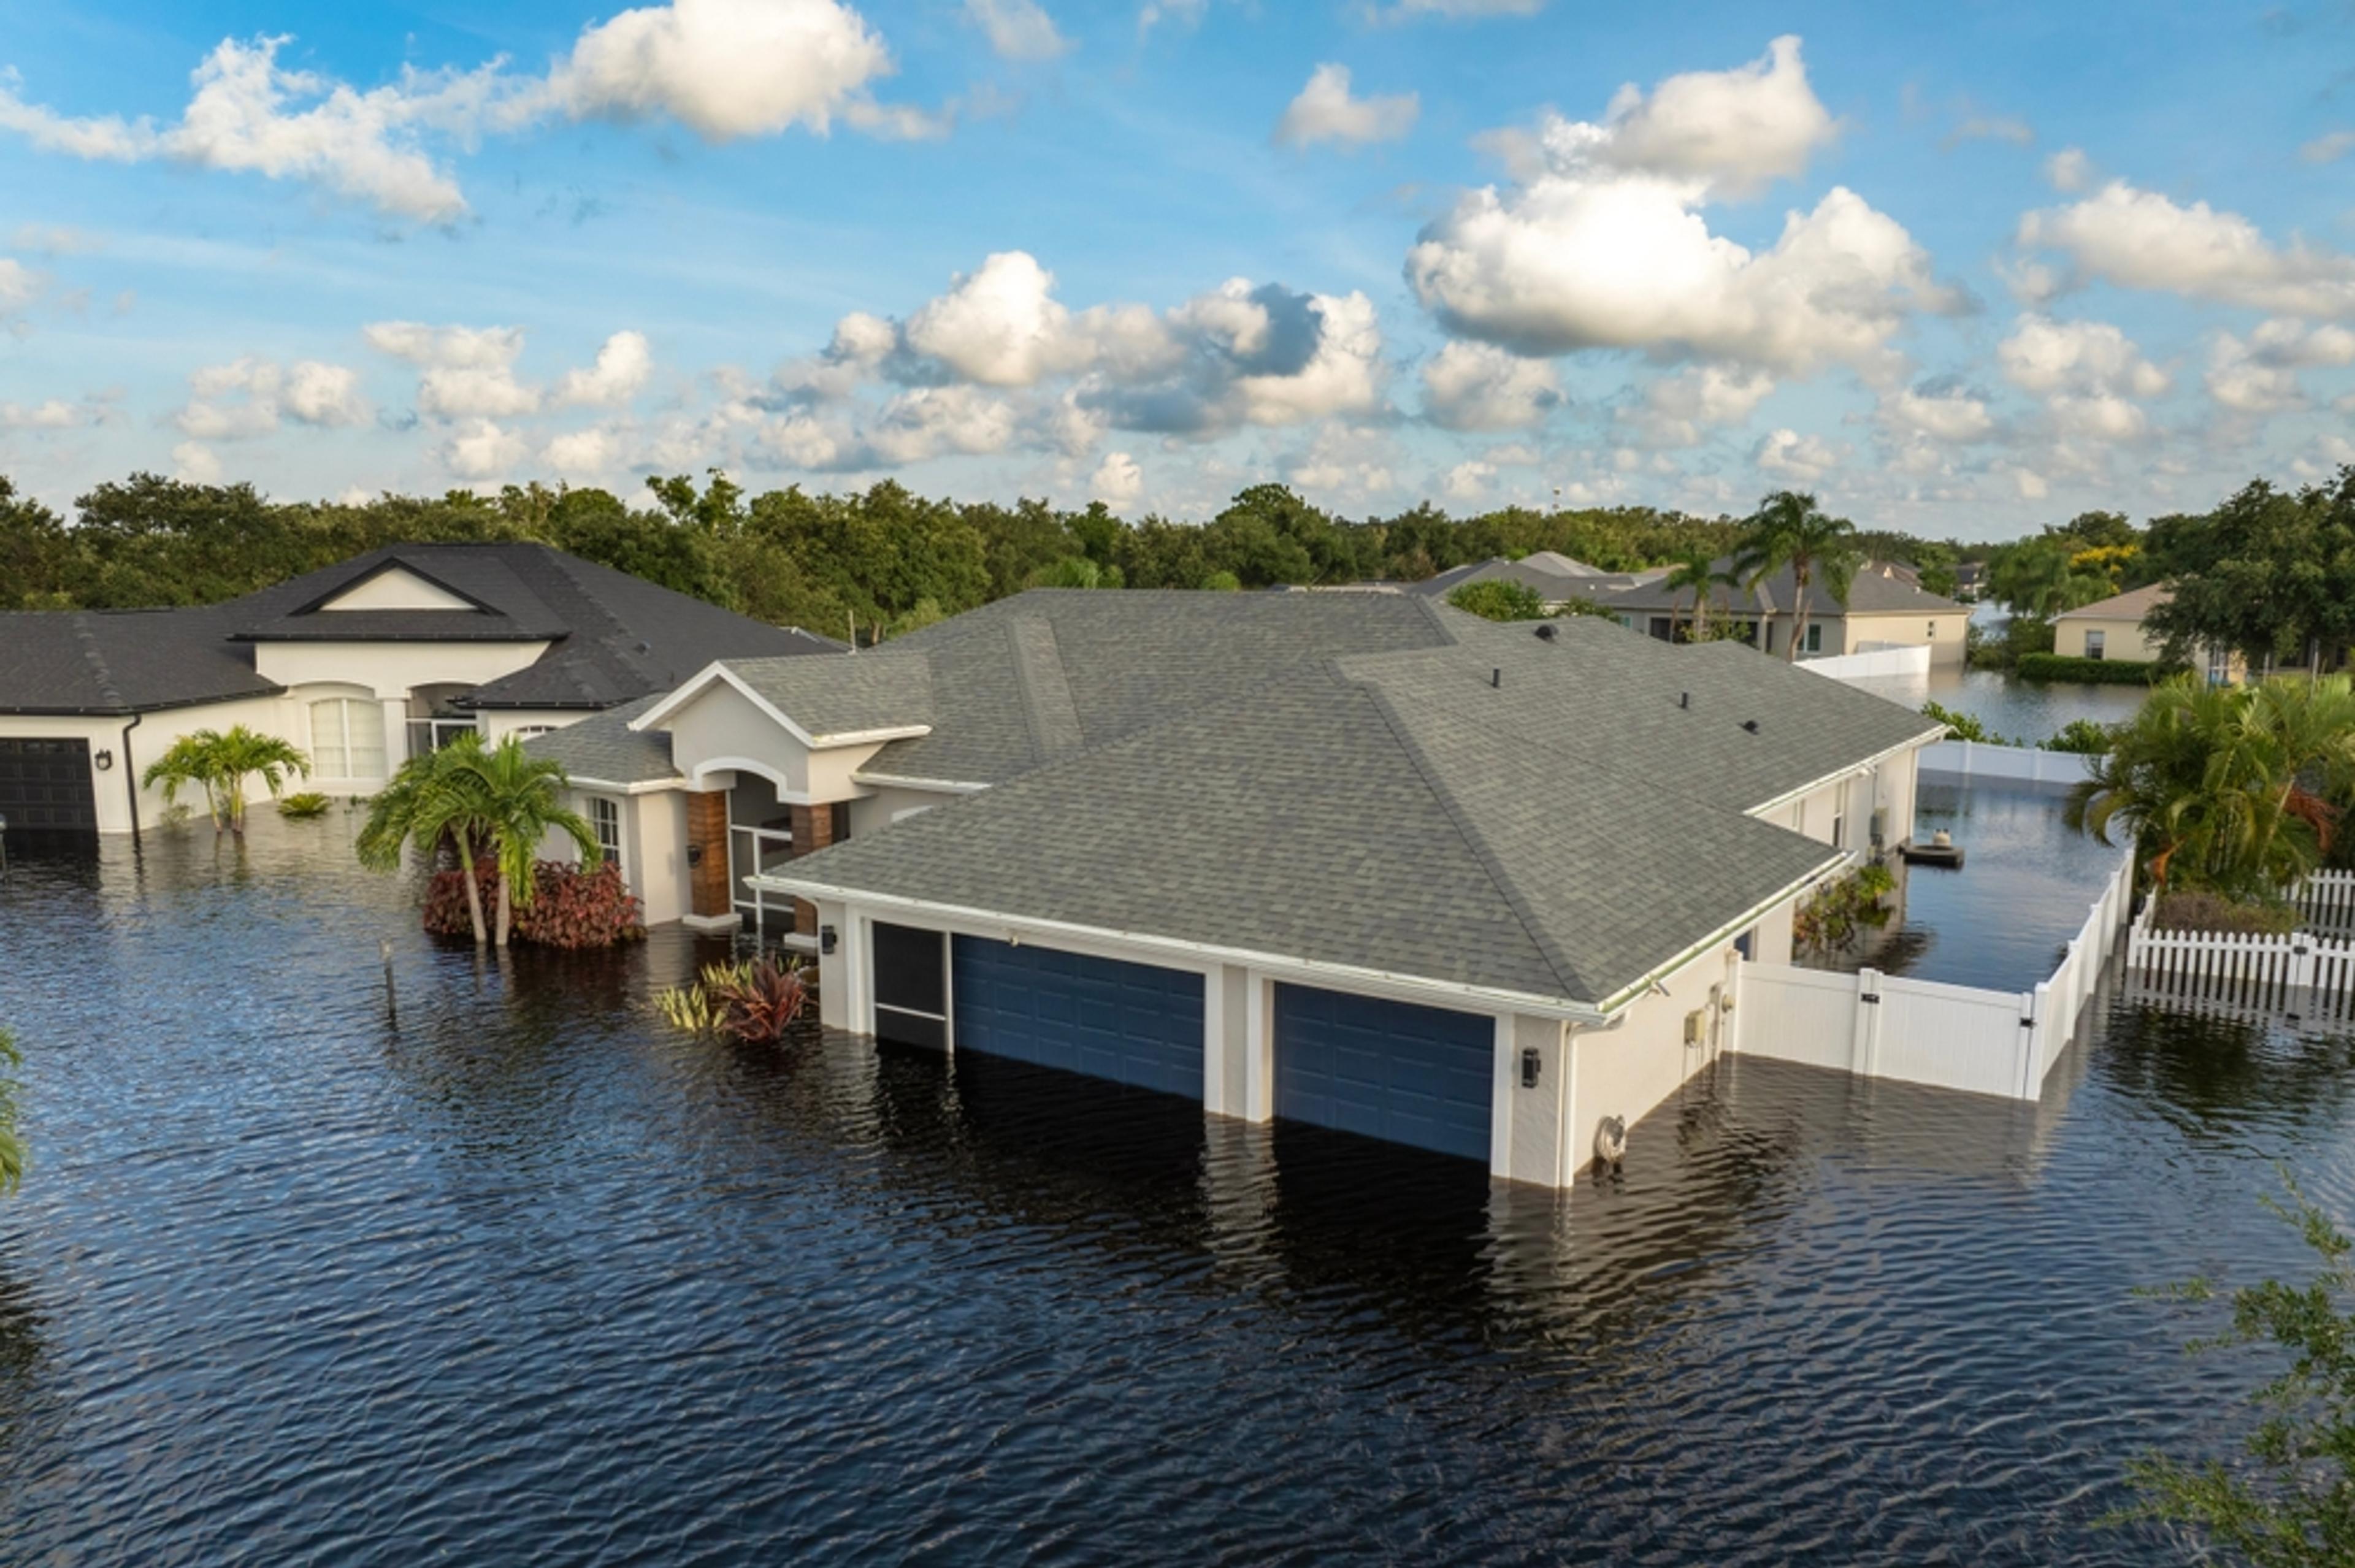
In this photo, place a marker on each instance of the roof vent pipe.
(1496, 676)
(1684, 700)
(1545, 630)
(1751, 725)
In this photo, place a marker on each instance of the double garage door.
(1388, 1070)
(45, 785)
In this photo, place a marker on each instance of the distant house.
(359, 664)
(1359, 860)
(2113, 629)
(1555, 578)
(1886, 608)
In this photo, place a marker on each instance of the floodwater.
(2024, 713)
(2027, 883)
(521, 1276)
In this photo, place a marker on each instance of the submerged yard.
(518, 1273)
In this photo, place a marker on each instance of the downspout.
(131, 773)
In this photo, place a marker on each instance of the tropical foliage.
(1496, 600)
(1843, 911)
(754, 1001)
(304, 806)
(2090, 672)
(1790, 529)
(220, 763)
(570, 906)
(12, 1142)
(1698, 574)
(2239, 790)
(2291, 1504)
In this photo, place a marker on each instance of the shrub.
(2215, 912)
(304, 806)
(2097, 672)
(1962, 726)
(754, 1002)
(1222, 582)
(571, 907)
(1841, 911)
(2086, 736)
(1496, 600)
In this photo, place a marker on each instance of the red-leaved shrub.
(572, 908)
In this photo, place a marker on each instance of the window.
(525, 732)
(605, 817)
(2094, 645)
(1840, 820)
(347, 739)
(1815, 636)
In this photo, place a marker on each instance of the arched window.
(347, 739)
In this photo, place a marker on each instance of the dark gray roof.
(884, 689)
(603, 749)
(1484, 806)
(1880, 588)
(612, 636)
(1554, 577)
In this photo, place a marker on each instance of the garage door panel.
(1387, 1069)
(45, 785)
(1130, 1023)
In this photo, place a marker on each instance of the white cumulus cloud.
(468, 373)
(1478, 386)
(624, 363)
(1325, 111)
(1018, 29)
(1787, 454)
(252, 396)
(2141, 240)
(1117, 481)
(482, 449)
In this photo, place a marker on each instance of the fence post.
(2035, 1019)
(1866, 1043)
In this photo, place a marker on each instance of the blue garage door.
(1390, 1070)
(1133, 1023)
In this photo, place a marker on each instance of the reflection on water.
(521, 1274)
(2025, 712)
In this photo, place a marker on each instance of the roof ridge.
(1564, 971)
(1049, 708)
(96, 658)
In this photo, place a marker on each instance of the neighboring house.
(2113, 629)
(1970, 580)
(1356, 860)
(1555, 578)
(359, 664)
(1886, 608)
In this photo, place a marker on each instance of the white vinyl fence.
(2327, 899)
(1925, 1031)
(1873, 662)
(2301, 974)
(1960, 762)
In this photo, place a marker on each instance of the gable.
(396, 588)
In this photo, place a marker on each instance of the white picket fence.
(1925, 1031)
(2301, 974)
(1960, 762)
(2327, 899)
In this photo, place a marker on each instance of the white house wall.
(721, 729)
(392, 670)
(497, 723)
(110, 789)
(1627, 1071)
(889, 803)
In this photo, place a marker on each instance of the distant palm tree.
(518, 800)
(1789, 529)
(221, 764)
(1698, 571)
(435, 794)
(12, 1142)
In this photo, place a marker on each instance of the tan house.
(1886, 607)
(2113, 629)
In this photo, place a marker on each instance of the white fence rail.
(2301, 974)
(1925, 1031)
(1945, 761)
(1873, 662)
(2327, 898)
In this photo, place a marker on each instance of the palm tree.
(221, 764)
(2305, 731)
(518, 800)
(1698, 571)
(434, 795)
(1789, 529)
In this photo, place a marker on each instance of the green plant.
(303, 806)
(2084, 737)
(1222, 582)
(569, 906)
(1962, 726)
(12, 1142)
(1789, 529)
(2093, 672)
(435, 795)
(1841, 910)
(1697, 571)
(1496, 599)
(754, 1001)
(518, 799)
(2205, 911)
(220, 763)
(2292, 1505)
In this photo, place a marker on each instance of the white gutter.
(1487, 998)
(613, 786)
(938, 787)
(1928, 737)
(1626, 995)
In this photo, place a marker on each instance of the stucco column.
(396, 733)
(706, 854)
(812, 831)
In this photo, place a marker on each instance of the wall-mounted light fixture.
(105, 760)
(825, 939)
(695, 854)
(1533, 1062)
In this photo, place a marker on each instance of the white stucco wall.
(110, 788)
(1940, 630)
(1629, 1070)
(497, 723)
(392, 670)
(886, 804)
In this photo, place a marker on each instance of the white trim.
(616, 786)
(938, 787)
(1504, 1077)
(1627, 994)
(1928, 737)
(719, 671)
(1405, 988)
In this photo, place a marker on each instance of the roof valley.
(1047, 702)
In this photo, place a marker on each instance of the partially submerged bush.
(1962, 726)
(1841, 911)
(2215, 912)
(753, 1002)
(569, 907)
(302, 807)
(2086, 736)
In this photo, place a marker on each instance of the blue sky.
(1961, 269)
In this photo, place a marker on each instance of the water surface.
(521, 1276)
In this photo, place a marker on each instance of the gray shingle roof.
(1475, 805)
(1878, 588)
(603, 749)
(612, 636)
(1555, 577)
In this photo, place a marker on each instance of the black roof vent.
(1545, 631)
(1496, 676)
(1684, 700)
(1751, 725)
